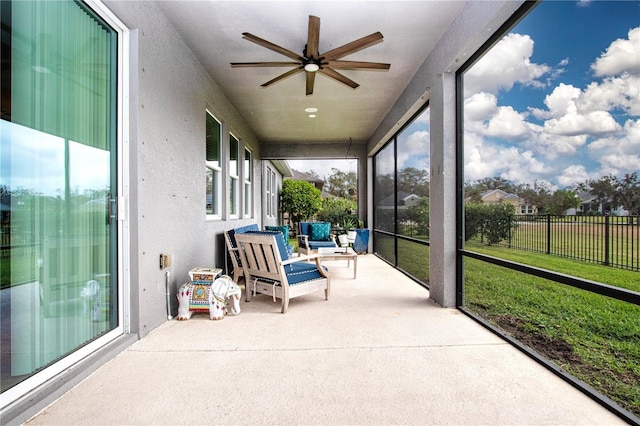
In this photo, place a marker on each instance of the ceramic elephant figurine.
(212, 298)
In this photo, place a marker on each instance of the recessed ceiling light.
(311, 109)
(312, 116)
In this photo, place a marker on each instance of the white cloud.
(622, 56)
(616, 92)
(508, 124)
(566, 118)
(573, 174)
(561, 99)
(483, 159)
(483, 116)
(619, 154)
(552, 147)
(480, 106)
(575, 124)
(414, 147)
(509, 62)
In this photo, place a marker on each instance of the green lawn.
(595, 338)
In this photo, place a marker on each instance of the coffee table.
(339, 253)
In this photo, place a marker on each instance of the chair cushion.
(232, 233)
(299, 272)
(314, 245)
(282, 246)
(282, 228)
(305, 228)
(320, 231)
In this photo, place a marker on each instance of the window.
(213, 167)
(271, 195)
(248, 187)
(401, 198)
(234, 170)
(58, 187)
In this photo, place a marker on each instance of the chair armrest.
(303, 241)
(300, 258)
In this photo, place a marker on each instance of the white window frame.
(271, 192)
(248, 183)
(216, 170)
(234, 179)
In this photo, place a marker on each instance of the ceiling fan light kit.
(312, 62)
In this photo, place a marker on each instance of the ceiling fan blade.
(311, 78)
(354, 65)
(352, 47)
(264, 64)
(283, 76)
(337, 76)
(313, 37)
(264, 43)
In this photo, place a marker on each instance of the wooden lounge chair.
(269, 270)
(313, 235)
(232, 247)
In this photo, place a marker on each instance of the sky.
(557, 100)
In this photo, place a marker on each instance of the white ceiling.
(213, 30)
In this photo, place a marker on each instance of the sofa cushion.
(320, 231)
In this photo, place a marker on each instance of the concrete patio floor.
(377, 352)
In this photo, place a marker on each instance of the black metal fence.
(608, 240)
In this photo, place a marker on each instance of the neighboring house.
(495, 196)
(403, 199)
(316, 181)
(590, 205)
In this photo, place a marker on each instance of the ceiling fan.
(312, 62)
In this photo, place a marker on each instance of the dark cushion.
(299, 272)
(232, 233)
(305, 228)
(320, 231)
(282, 228)
(313, 245)
(282, 246)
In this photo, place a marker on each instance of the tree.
(493, 221)
(414, 181)
(419, 215)
(340, 211)
(300, 199)
(339, 183)
(561, 201)
(616, 192)
(537, 195)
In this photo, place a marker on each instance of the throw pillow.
(320, 231)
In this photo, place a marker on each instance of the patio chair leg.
(285, 305)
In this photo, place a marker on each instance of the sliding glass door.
(58, 159)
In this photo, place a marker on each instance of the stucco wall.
(170, 92)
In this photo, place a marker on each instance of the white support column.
(442, 191)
